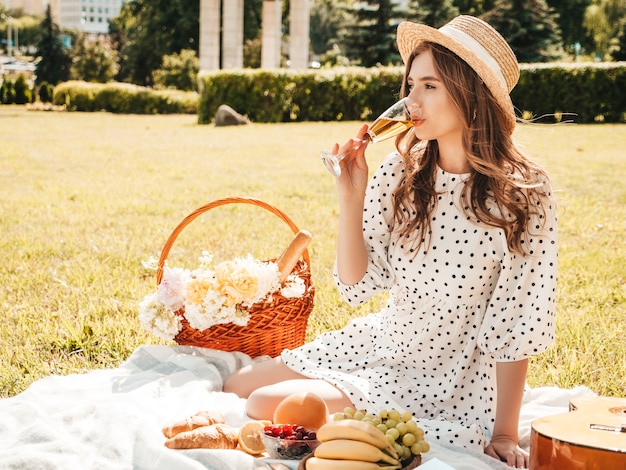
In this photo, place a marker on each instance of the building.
(88, 16)
(30, 7)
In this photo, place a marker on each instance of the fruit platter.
(303, 430)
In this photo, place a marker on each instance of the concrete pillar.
(232, 34)
(299, 19)
(209, 35)
(271, 34)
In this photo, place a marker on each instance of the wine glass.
(395, 120)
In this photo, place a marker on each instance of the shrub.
(281, 96)
(23, 93)
(46, 91)
(7, 92)
(123, 98)
(178, 71)
(584, 93)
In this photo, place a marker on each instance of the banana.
(357, 431)
(347, 449)
(316, 463)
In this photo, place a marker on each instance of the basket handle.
(211, 205)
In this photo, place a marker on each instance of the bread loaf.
(215, 436)
(200, 419)
(288, 259)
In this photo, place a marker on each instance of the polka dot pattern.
(461, 303)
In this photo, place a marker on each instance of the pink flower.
(171, 291)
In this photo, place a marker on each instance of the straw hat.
(478, 44)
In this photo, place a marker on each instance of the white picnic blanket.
(112, 418)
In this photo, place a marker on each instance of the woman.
(460, 227)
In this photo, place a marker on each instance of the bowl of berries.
(288, 441)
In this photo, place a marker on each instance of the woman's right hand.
(351, 185)
(354, 172)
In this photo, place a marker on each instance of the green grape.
(399, 449)
(402, 428)
(416, 448)
(408, 439)
(394, 414)
(391, 423)
(402, 431)
(338, 416)
(411, 426)
(392, 434)
(348, 411)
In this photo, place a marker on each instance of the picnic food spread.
(303, 430)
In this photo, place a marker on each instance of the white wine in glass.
(395, 120)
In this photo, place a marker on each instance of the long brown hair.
(500, 173)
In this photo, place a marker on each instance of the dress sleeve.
(377, 222)
(519, 321)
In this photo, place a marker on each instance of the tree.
(7, 92)
(602, 22)
(95, 60)
(530, 28)
(371, 39)
(433, 13)
(54, 59)
(46, 92)
(570, 20)
(178, 71)
(327, 19)
(474, 7)
(147, 30)
(619, 51)
(23, 93)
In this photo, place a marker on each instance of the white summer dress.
(454, 310)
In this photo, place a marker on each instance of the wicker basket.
(273, 326)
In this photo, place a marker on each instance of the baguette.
(288, 259)
(215, 436)
(200, 419)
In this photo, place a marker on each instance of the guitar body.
(566, 441)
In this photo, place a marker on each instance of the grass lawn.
(85, 198)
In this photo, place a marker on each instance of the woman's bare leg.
(265, 384)
(244, 381)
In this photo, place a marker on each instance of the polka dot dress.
(459, 306)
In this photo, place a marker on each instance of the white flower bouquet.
(213, 294)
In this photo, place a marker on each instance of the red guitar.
(592, 436)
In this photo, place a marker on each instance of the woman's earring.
(474, 116)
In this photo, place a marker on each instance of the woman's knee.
(246, 380)
(261, 403)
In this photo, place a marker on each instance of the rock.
(227, 116)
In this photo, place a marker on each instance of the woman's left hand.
(507, 450)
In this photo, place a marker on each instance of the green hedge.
(283, 95)
(123, 98)
(583, 93)
(589, 92)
